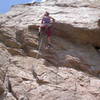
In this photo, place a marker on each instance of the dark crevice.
(9, 87)
(99, 22)
(97, 49)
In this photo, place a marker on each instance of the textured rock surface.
(67, 71)
(77, 20)
(56, 75)
(52, 83)
(4, 60)
(17, 41)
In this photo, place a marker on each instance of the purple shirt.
(46, 20)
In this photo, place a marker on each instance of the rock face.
(60, 83)
(77, 20)
(4, 61)
(69, 70)
(17, 41)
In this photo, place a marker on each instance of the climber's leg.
(49, 33)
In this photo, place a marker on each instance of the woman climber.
(46, 26)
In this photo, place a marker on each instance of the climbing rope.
(40, 45)
(37, 55)
(41, 38)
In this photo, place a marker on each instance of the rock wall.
(4, 61)
(69, 70)
(77, 19)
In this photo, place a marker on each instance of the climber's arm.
(52, 19)
(42, 20)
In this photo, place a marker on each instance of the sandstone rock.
(59, 73)
(73, 18)
(15, 51)
(9, 97)
(60, 83)
(4, 60)
(1, 88)
(18, 42)
(8, 37)
(76, 62)
(73, 23)
(34, 53)
(95, 83)
(30, 76)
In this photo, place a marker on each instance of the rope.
(40, 45)
(37, 56)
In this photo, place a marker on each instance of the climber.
(46, 26)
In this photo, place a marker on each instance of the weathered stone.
(4, 60)
(8, 37)
(1, 88)
(9, 96)
(15, 51)
(71, 61)
(60, 72)
(73, 18)
(49, 82)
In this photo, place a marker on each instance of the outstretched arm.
(52, 19)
